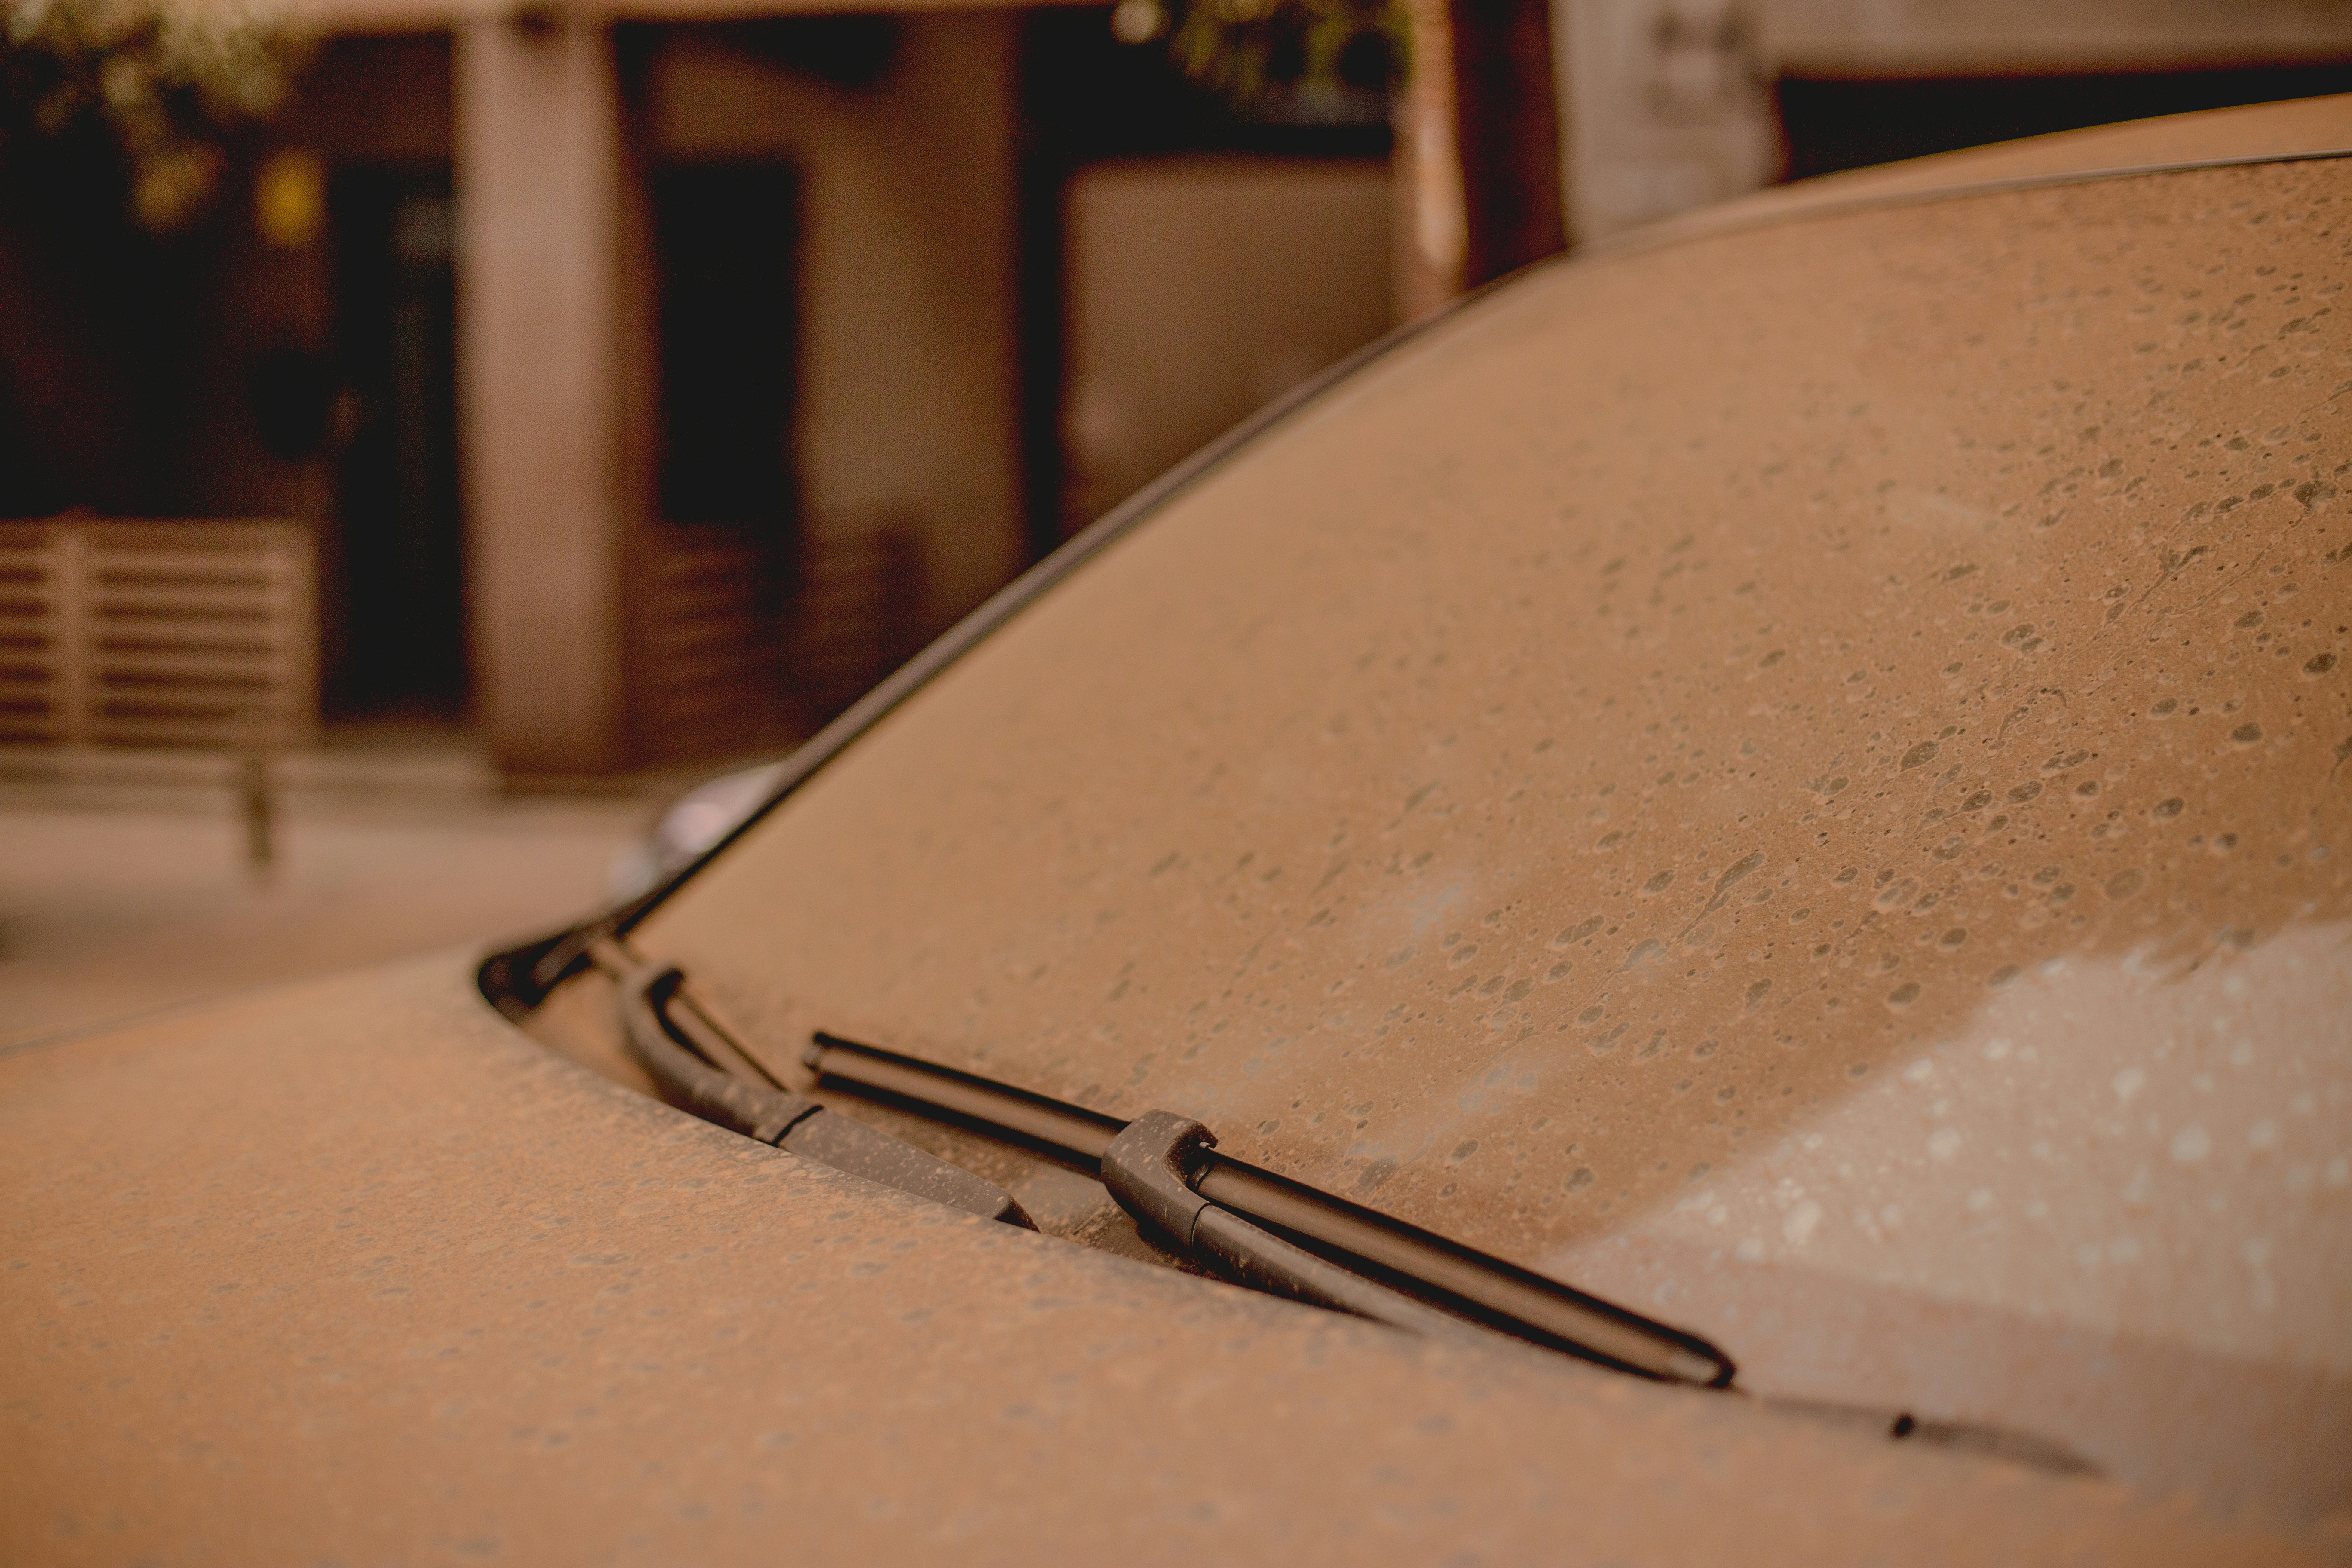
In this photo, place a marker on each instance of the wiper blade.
(701, 1069)
(1277, 1233)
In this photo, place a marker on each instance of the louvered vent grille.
(184, 634)
(710, 676)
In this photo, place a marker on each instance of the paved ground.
(115, 909)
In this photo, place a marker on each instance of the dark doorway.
(725, 552)
(401, 570)
(1849, 123)
(101, 328)
(725, 247)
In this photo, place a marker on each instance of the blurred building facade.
(1674, 104)
(653, 381)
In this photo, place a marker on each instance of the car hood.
(355, 1270)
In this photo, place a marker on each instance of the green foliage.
(163, 85)
(1291, 54)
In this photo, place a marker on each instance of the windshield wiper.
(1257, 1227)
(701, 1069)
(1277, 1234)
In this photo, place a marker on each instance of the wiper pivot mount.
(701, 1069)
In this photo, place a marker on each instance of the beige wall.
(1202, 288)
(1648, 131)
(909, 392)
(1920, 36)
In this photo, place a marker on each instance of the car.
(1696, 912)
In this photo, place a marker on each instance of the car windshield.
(1792, 778)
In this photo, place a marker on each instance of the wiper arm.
(701, 1069)
(1277, 1233)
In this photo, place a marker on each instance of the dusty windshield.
(1796, 777)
